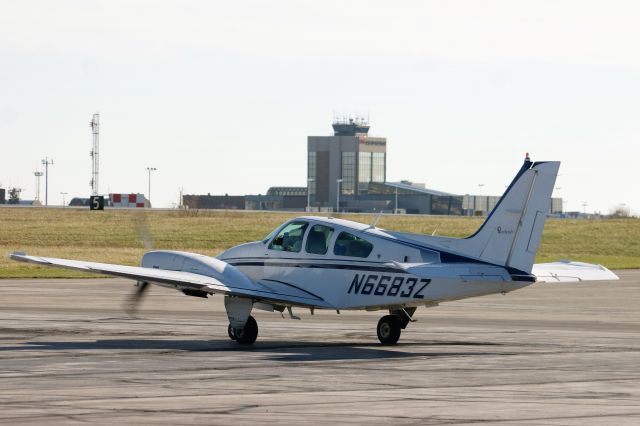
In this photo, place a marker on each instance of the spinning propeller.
(131, 306)
(133, 302)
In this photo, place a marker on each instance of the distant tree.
(14, 195)
(621, 210)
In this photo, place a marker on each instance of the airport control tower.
(350, 160)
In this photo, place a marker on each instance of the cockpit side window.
(318, 239)
(349, 245)
(290, 237)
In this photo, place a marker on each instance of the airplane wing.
(567, 271)
(240, 285)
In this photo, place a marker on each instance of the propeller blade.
(131, 307)
(142, 227)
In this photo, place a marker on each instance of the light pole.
(63, 198)
(150, 169)
(309, 193)
(396, 210)
(338, 181)
(480, 185)
(46, 162)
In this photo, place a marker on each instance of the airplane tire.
(249, 333)
(389, 329)
(232, 332)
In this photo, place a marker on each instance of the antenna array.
(95, 167)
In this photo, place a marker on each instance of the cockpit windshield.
(290, 237)
(266, 239)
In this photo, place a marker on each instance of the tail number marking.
(385, 285)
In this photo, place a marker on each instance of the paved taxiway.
(545, 355)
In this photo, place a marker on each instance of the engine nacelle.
(197, 264)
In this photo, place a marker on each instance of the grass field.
(117, 236)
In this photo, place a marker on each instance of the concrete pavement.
(549, 354)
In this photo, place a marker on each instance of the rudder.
(511, 234)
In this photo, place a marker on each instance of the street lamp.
(309, 193)
(338, 181)
(150, 169)
(63, 198)
(46, 163)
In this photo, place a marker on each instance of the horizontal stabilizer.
(567, 271)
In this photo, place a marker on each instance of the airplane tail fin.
(511, 234)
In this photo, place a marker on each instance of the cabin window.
(350, 245)
(290, 237)
(318, 239)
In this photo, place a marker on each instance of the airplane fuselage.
(392, 274)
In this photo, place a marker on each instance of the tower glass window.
(364, 170)
(348, 173)
(311, 172)
(377, 167)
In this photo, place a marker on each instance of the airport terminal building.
(347, 162)
(347, 172)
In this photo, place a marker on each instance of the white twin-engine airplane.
(327, 263)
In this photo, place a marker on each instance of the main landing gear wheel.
(389, 329)
(246, 335)
(232, 333)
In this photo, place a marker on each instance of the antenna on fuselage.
(376, 220)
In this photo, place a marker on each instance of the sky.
(220, 96)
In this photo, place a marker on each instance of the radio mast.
(95, 167)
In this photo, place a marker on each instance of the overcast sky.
(221, 96)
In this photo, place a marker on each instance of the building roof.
(410, 188)
(350, 126)
(287, 190)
